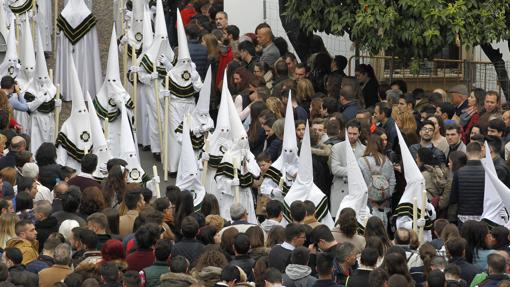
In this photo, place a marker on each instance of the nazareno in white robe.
(41, 104)
(247, 171)
(78, 38)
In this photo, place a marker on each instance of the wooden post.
(206, 162)
(155, 174)
(135, 84)
(165, 139)
(415, 213)
(236, 176)
(421, 233)
(57, 113)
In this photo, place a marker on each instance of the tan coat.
(357, 240)
(126, 222)
(53, 274)
(30, 250)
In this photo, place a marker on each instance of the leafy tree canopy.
(406, 28)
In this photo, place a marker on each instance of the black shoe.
(146, 148)
(172, 174)
(157, 156)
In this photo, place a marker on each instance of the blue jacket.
(198, 53)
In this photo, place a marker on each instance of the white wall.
(247, 14)
(485, 74)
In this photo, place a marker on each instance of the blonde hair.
(4, 103)
(7, 228)
(406, 120)
(212, 46)
(9, 174)
(275, 105)
(304, 90)
(3, 141)
(215, 220)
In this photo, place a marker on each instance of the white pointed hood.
(135, 32)
(3, 20)
(414, 179)
(75, 12)
(183, 52)
(181, 72)
(221, 138)
(289, 155)
(304, 188)
(160, 44)
(148, 34)
(238, 132)
(128, 150)
(100, 145)
(499, 186)
(27, 55)
(201, 115)
(111, 90)
(358, 191)
(10, 64)
(492, 203)
(159, 21)
(112, 67)
(205, 94)
(75, 133)
(42, 84)
(188, 177)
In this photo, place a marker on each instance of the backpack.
(379, 189)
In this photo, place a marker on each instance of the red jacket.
(187, 13)
(223, 62)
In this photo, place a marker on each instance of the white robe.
(42, 125)
(87, 61)
(45, 22)
(227, 192)
(147, 119)
(178, 108)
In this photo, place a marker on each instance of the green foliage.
(406, 28)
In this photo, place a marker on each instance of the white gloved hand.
(154, 75)
(124, 40)
(420, 222)
(58, 103)
(276, 193)
(128, 15)
(235, 182)
(134, 69)
(156, 179)
(117, 100)
(153, 9)
(196, 131)
(195, 76)
(205, 156)
(204, 128)
(163, 59)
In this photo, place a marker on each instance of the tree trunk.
(499, 65)
(299, 39)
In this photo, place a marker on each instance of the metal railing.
(439, 72)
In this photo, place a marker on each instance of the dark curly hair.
(92, 200)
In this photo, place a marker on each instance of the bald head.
(18, 144)
(60, 188)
